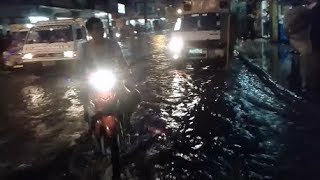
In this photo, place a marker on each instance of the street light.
(179, 11)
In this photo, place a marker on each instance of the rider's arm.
(121, 60)
(79, 68)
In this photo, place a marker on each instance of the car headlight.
(176, 45)
(68, 54)
(118, 35)
(102, 80)
(27, 56)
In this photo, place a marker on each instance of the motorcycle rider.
(102, 51)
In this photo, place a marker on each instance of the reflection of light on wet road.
(218, 125)
(179, 98)
(214, 118)
(46, 112)
(75, 109)
(35, 97)
(159, 43)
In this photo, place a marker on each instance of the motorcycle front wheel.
(109, 146)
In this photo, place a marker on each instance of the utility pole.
(145, 14)
(274, 20)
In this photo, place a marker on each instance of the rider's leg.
(129, 100)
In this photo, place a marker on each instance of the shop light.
(100, 14)
(121, 8)
(141, 21)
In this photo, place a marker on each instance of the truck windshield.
(50, 34)
(198, 22)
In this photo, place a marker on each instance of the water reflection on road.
(218, 124)
(44, 117)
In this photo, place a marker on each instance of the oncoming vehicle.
(52, 42)
(12, 57)
(202, 33)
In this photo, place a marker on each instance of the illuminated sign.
(121, 8)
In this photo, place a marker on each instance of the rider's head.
(95, 28)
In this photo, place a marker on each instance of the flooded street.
(221, 125)
(41, 118)
(216, 124)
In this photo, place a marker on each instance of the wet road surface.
(41, 117)
(217, 124)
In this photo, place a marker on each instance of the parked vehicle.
(12, 57)
(202, 33)
(52, 42)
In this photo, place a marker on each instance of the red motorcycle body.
(104, 106)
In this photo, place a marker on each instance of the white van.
(52, 42)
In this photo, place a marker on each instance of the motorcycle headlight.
(176, 45)
(102, 80)
(68, 54)
(27, 56)
(118, 35)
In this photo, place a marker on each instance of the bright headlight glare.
(175, 45)
(27, 56)
(68, 54)
(118, 35)
(102, 80)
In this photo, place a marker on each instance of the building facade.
(18, 11)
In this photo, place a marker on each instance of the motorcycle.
(107, 118)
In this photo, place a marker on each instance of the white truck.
(202, 33)
(51, 42)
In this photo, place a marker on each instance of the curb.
(279, 90)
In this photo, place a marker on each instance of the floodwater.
(215, 124)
